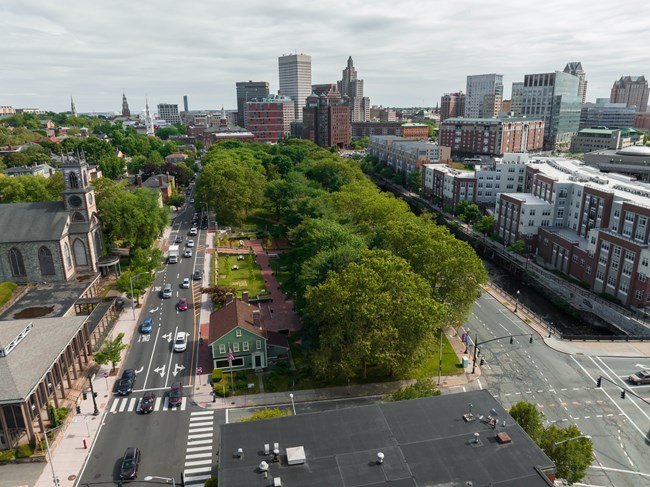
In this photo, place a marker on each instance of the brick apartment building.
(270, 118)
(326, 120)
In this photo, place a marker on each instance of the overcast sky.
(408, 52)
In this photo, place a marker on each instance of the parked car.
(180, 342)
(147, 402)
(167, 291)
(130, 462)
(176, 394)
(197, 276)
(191, 201)
(186, 283)
(125, 385)
(179, 239)
(182, 304)
(147, 325)
(187, 253)
(190, 243)
(640, 377)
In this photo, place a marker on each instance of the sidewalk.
(70, 455)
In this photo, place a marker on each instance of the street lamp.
(586, 437)
(293, 404)
(151, 477)
(132, 297)
(517, 301)
(55, 479)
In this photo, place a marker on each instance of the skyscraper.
(484, 95)
(125, 107)
(169, 112)
(295, 79)
(515, 98)
(73, 109)
(553, 98)
(631, 90)
(247, 91)
(352, 87)
(576, 70)
(185, 104)
(452, 105)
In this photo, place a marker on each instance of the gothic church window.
(46, 262)
(17, 263)
(73, 180)
(79, 251)
(78, 217)
(66, 255)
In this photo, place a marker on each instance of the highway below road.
(563, 386)
(177, 440)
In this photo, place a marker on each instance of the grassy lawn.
(6, 290)
(280, 267)
(247, 277)
(240, 380)
(450, 363)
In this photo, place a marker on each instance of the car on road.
(167, 291)
(147, 402)
(182, 304)
(125, 385)
(640, 377)
(179, 239)
(130, 463)
(190, 243)
(176, 394)
(194, 231)
(191, 201)
(186, 283)
(187, 253)
(147, 325)
(180, 342)
(197, 276)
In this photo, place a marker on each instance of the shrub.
(266, 414)
(217, 375)
(7, 455)
(24, 451)
(421, 388)
(222, 389)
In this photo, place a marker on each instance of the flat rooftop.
(425, 442)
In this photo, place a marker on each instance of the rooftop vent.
(380, 458)
(296, 455)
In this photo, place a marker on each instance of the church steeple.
(72, 107)
(125, 106)
(147, 118)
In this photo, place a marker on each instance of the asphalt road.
(172, 440)
(564, 388)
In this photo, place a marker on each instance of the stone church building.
(54, 240)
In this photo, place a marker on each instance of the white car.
(194, 231)
(190, 243)
(180, 343)
(187, 253)
(186, 283)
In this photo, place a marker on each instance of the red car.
(182, 304)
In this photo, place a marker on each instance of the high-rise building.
(326, 120)
(248, 91)
(575, 68)
(126, 112)
(553, 98)
(295, 79)
(484, 95)
(185, 104)
(631, 90)
(515, 98)
(270, 118)
(605, 114)
(352, 87)
(169, 112)
(323, 89)
(73, 109)
(452, 105)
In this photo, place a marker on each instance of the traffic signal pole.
(93, 394)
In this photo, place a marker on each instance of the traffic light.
(531, 339)
(78, 409)
(85, 395)
(512, 340)
(623, 394)
(599, 381)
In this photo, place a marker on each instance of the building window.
(629, 255)
(244, 346)
(611, 281)
(73, 180)
(532, 212)
(238, 332)
(235, 347)
(588, 269)
(642, 277)
(17, 263)
(79, 251)
(222, 348)
(638, 294)
(66, 255)
(258, 344)
(46, 262)
(644, 262)
(600, 275)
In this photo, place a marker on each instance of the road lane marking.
(151, 358)
(199, 436)
(123, 405)
(171, 355)
(200, 448)
(202, 413)
(196, 478)
(114, 405)
(158, 403)
(198, 462)
(200, 430)
(198, 470)
(166, 404)
(199, 455)
(201, 442)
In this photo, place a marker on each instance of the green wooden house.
(238, 328)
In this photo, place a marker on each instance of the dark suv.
(176, 394)
(125, 386)
(130, 462)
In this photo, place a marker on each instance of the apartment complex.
(295, 79)
(452, 105)
(7, 111)
(404, 155)
(169, 113)
(605, 114)
(248, 91)
(588, 140)
(484, 95)
(553, 98)
(446, 186)
(270, 118)
(326, 120)
(631, 90)
(491, 136)
(352, 87)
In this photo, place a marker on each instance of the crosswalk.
(132, 404)
(199, 452)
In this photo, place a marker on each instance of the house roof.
(154, 181)
(425, 442)
(24, 366)
(230, 316)
(47, 221)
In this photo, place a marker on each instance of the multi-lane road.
(563, 386)
(172, 440)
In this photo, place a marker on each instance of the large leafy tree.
(376, 311)
(111, 351)
(26, 189)
(570, 450)
(529, 418)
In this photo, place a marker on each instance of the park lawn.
(247, 278)
(450, 362)
(6, 290)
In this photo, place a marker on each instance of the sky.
(408, 52)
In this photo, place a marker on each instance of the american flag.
(231, 357)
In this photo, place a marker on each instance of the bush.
(24, 451)
(421, 388)
(266, 414)
(7, 455)
(217, 375)
(222, 389)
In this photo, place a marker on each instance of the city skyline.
(407, 57)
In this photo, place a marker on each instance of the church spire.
(126, 112)
(72, 107)
(147, 118)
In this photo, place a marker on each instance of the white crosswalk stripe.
(199, 455)
(132, 404)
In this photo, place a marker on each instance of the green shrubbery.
(421, 388)
(7, 455)
(266, 414)
(24, 451)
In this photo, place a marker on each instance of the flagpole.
(230, 359)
